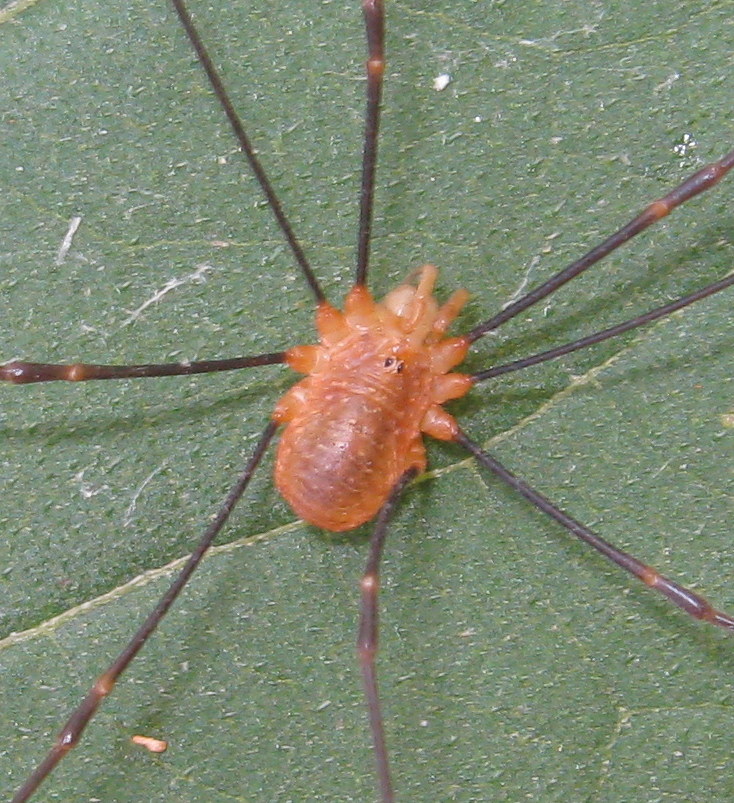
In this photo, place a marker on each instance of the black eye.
(394, 364)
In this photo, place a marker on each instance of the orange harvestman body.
(376, 382)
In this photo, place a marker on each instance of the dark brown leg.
(700, 181)
(23, 373)
(693, 604)
(367, 637)
(605, 334)
(374, 19)
(247, 148)
(71, 733)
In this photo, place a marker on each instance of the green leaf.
(514, 664)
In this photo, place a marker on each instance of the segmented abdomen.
(339, 458)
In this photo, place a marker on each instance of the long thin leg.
(700, 181)
(71, 732)
(693, 604)
(26, 372)
(247, 148)
(23, 373)
(367, 637)
(605, 334)
(374, 19)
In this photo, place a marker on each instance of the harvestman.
(376, 365)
